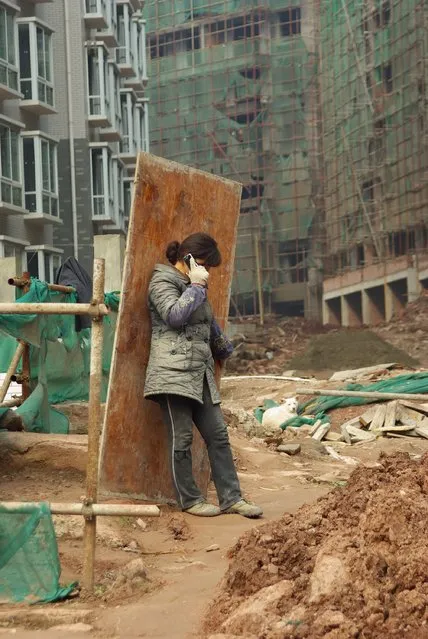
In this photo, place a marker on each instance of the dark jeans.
(180, 414)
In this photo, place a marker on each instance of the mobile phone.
(187, 258)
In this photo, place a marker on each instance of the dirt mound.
(408, 330)
(348, 348)
(269, 348)
(353, 564)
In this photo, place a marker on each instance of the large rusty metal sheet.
(170, 202)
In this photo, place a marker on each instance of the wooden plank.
(367, 416)
(420, 408)
(379, 418)
(357, 373)
(321, 432)
(170, 202)
(359, 434)
(390, 415)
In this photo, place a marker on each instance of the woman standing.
(180, 375)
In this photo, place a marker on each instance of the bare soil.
(353, 564)
(181, 576)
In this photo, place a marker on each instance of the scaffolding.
(319, 109)
(373, 81)
(234, 92)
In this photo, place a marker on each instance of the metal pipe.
(94, 510)
(366, 394)
(94, 419)
(11, 370)
(52, 308)
(70, 95)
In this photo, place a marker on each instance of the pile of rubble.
(353, 564)
(392, 419)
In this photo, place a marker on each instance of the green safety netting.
(59, 357)
(413, 383)
(29, 561)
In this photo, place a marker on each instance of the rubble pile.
(353, 564)
(269, 348)
(295, 345)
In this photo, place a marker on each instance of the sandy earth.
(182, 575)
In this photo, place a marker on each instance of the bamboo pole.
(366, 394)
(22, 282)
(11, 370)
(94, 510)
(52, 308)
(94, 418)
(259, 278)
(10, 403)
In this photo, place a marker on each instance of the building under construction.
(318, 108)
(373, 86)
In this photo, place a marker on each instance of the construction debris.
(396, 418)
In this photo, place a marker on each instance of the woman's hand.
(198, 274)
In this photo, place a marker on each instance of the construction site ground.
(183, 558)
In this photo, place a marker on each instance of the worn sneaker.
(244, 508)
(203, 509)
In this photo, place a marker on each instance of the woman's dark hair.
(201, 245)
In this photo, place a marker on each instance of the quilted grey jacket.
(180, 356)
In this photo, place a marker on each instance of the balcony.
(36, 64)
(118, 223)
(9, 86)
(96, 14)
(128, 51)
(140, 79)
(113, 133)
(11, 182)
(102, 180)
(108, 34)
(40, 178)
(99, 85)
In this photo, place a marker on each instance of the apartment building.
(73, 116)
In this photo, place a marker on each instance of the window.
(114, 98)
(124, 52)
(384, 76)
(8, 56)
(99, 101)
(10, 165)
(40, 174)
(129, 141)
(141, 125)
(35, 61)
(128, 185)
(43, 262)
(96, 6)
(382, 16)
(11, 247)
(290, 22)
(102, 183)
(118, 171)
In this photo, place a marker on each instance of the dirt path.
(182, 575)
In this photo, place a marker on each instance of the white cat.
(274, 417)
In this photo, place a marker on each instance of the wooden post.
(110, 510)
(259, 278)
(94, 419)
(11, 370)
(375, 395)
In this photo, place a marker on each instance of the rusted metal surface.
(94, 418)
(22, 282)
(170, 202)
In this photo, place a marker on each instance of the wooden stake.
(11, 370)
(366, 394)
(96, 510)
(259, 278)
(94, 418)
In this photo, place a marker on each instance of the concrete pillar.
(389, 303)
(414, 288)
(344, 307)
(325, 312)
(365, 303)
(9, 267)
(112, 249)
